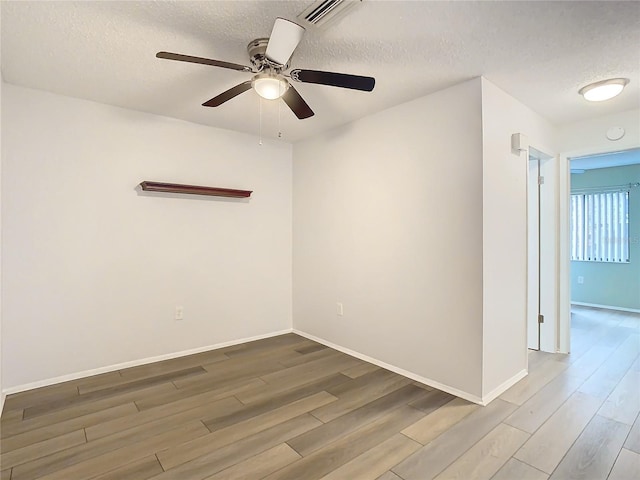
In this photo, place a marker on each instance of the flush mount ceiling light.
(604, 90)
(269, 86)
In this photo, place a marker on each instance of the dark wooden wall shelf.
(194, 189)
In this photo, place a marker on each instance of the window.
(600, 227)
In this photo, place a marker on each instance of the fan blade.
(344, 80)
(284, 39)
(296, 103)
(204, 61)
(228, 95)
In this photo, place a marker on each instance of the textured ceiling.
(539, 52)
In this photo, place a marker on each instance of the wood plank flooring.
(289, 408)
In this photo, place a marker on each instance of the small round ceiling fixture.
(603, 90)
(269, 86)
(615, 133)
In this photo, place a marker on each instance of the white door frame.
(533, 253)
(547, 274)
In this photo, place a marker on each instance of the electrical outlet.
(580, 279)
(339, 309)
(179, 313)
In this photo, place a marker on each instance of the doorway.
(541, 256)
(533, 256)
(578, 285)
(604, 228)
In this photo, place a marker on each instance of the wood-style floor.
(289, 408)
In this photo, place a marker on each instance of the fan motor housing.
(257, 54)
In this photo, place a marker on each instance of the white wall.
(388, 220)
(590, 136)
(93, 270)
(400, 216)
(505, 231)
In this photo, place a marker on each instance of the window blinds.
(600, 227)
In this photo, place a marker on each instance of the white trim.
(2, 398)
(399, 371)
(608, 307)
(564, 256)
(549, 249)
(503, 387)
(136, 363)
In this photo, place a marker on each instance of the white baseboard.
(135, 363)
(400, 371)
(608, 307)
(144, 361)
(2, 397)
(503, 387)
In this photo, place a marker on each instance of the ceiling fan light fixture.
(269, 86)
(603, 90)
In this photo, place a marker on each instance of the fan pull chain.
(260, 120)
(279, 124)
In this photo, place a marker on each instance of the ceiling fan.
(270, 59)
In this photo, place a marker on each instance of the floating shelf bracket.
(193, 189)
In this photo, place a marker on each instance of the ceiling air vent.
(325, 12)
